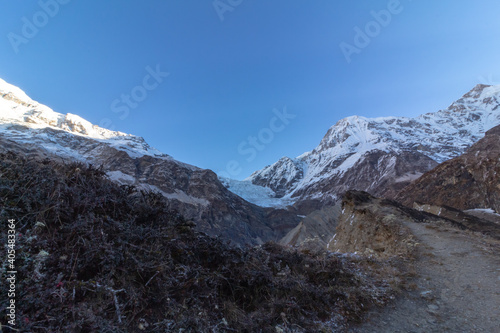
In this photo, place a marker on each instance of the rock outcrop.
(378, 227)
(474, 222)
(373, 226)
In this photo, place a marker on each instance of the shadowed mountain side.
(466, 182)
(315, 230)
(195, 193)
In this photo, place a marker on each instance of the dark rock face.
(466, 182)
(379, 173)
(307, 206)
(195, 193)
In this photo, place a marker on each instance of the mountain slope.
(470, 181)
(33, 129)
(382, 155)
(315, 230)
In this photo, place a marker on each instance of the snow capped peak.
(477, 91)
(8, 90)
(490, 91)
(16, 108)
(279, 176)
(438, 136)
(353, 128)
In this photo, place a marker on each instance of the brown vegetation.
(93, 256)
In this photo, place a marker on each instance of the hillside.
(470, 181)
(93, 256)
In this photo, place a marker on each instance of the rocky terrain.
(469, 181)
(381, 155)
(450, 273)
(315, 230)
(465, 220)
(373, 226)
(454, 287)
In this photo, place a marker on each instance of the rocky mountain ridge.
(34, 129)
(382, 155)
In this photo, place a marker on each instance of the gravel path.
(457, 286)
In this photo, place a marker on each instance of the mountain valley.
(384, 211)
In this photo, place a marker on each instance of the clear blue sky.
(227, 76)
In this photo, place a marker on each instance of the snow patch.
(184, 197)
(7, 88)
(121, 178)
(483, 210)
(409, 177)
(492, 91)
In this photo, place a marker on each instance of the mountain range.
(34, 129)
(378, 155)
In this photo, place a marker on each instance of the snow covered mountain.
(17, 109)
(381, 155)
(32, 129)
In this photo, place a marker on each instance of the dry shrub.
(93, 256)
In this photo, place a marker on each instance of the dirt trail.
(457, 287)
